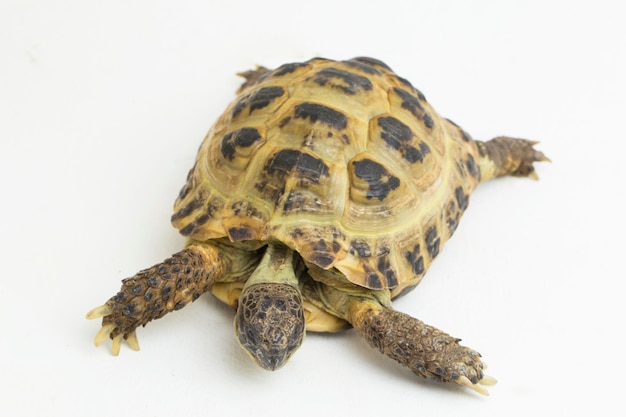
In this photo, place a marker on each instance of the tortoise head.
(270, 323)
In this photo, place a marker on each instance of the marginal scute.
(343, 161)
(322, 245)
(362, 66)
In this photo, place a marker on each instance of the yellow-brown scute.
(343, 161)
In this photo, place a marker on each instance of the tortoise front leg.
(425, 350)
(163, 288)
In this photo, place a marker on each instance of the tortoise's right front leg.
(156, 291)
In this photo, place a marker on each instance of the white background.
(102, 108)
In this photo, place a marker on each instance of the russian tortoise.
(325, 190)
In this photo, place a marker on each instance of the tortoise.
(325, 190)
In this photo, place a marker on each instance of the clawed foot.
(110, 330)
(424, 349)
(509, 156)
(462, 366)
(154, 292)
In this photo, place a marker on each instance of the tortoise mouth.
(271, 360)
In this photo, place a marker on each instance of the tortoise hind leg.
(425, 350)
(508, 156)
(252, 77)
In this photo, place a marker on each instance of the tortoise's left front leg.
(163, 288)
(425, 350)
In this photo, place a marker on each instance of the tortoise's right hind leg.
(156, 291)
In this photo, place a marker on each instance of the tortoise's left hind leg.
(156, 291)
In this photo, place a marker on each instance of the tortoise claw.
(98, 312)
(107, 330)
(478, 387)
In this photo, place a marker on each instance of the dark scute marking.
(306, 166)
(202, 219)
(406, 290)
(407, 83)
(399, 136)
(380, 181)
(432, 242)
(464, 135)
(322, 255)
(297, 201)
(244, 138)
(428, 121)
(454, 124)
(412, 104)
(239, 233)
(416, 260)
(287, 69)
(361, 248)
(188, 184)
(184, 191)
(372, 62)
(187, 230)
(384, 267)
(240, 105)
(452, 217)
(264, 97)
(294, 201)
(187, 210)
(373, 280)
(395, 132)
(461, 198)
(257, 100)
(472, 168)
(351, 83)
(326, 115)
(284, 122)
(362, 66)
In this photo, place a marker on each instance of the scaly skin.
(503, 156)
(425, 350)
(165, 287)
(270, 323)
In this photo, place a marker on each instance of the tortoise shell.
(343, 161)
